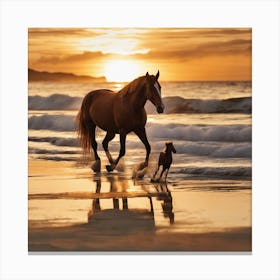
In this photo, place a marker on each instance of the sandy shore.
(70, 209)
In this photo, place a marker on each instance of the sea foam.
(174, 104)
(224, 133)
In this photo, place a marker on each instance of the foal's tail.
(86, 127)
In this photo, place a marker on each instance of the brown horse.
(118, 113)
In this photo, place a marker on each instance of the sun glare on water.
(121, 71)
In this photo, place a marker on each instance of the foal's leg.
(163, 169)
(166, 174)
(141, 133)
(96, 164)
(155, 173)
(109, 136)
(121, 154)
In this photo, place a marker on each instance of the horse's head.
(170, 147)
(153, 91)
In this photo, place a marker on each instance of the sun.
(121, 70)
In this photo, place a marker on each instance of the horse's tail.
(86, 127)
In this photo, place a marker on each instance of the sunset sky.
(122, 54)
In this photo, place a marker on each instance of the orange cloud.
(176, 51)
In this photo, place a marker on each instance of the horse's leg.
(96, 166)
(109, 136)
(141, 133)
(96, 202)
(121, 154)
(116, 203)
(163, 169)
(125, 204)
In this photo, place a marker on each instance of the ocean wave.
(223, 133)
(56, 141)
(52, 122)
(215, 171)
(206, 149)
(174, 104)
(180, 105)
(51, 152)
(54, 102)
(216, 150)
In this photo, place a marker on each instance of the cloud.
(79, 49)
(74, 58)
(233, 47)
(220, 32)
(61, 32)
(187, 33)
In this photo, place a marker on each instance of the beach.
(205, 204)
(72, 209)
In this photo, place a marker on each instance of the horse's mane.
(133, 86)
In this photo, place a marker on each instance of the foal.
(165, 159)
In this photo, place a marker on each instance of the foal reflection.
(166, 197)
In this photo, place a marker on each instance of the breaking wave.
(224, 133)
(216, 171)
(56, 141)
(216, 150)
(175, 104)
(180, 105)
(207, 149)
(52, 122)
(54, 102)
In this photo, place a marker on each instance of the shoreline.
(110, 213)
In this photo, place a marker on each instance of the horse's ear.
(147, 75)
(157, 75)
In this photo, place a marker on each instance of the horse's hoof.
(142, 165)
(96, 166)
(153, 180)
(109, 168)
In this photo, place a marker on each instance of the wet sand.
(70, 209)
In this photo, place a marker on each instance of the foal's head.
(169, 147)
(153, 91)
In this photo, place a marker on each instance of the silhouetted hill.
(38, 76)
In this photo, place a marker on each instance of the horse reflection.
(120, 217)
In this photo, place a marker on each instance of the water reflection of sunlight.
(117, 86)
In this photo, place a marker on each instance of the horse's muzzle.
(160, 109)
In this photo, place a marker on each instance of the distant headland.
(44, 76)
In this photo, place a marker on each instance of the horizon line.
(103, 76)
